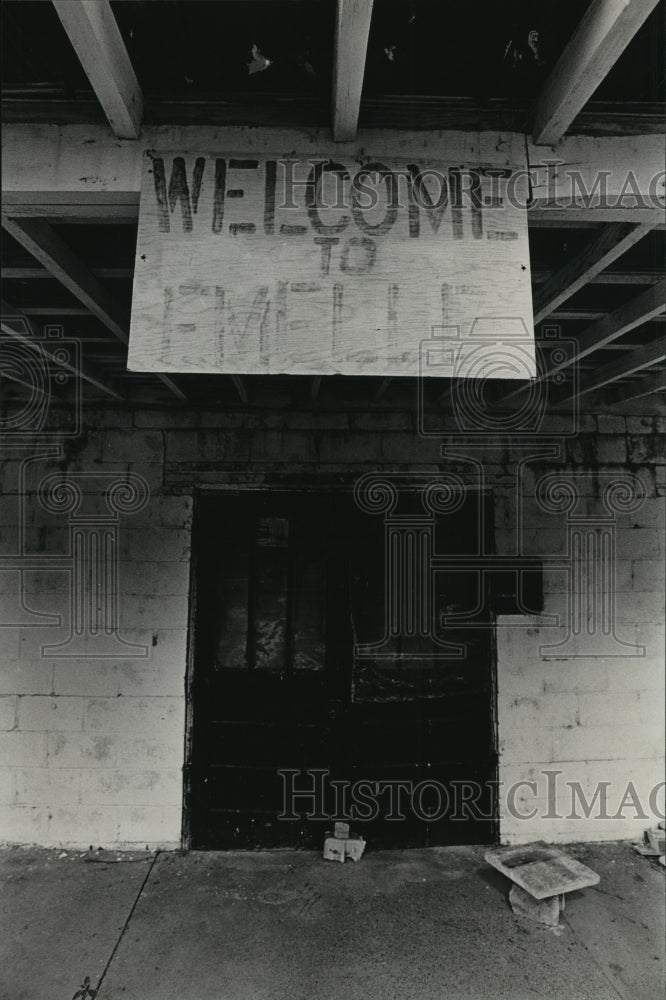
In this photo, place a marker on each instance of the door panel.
(289, 586)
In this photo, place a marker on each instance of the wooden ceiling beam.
(605, 247)
(383, 386)
(94, 33)
(55, 311)
(10, 316)
(541, 275)
(637, 311)
(603, 34)
(647, 386)
(352, 27)
(23, 273)
(641, 309)
(80, 172)
(47, 247)
(240, 387)
(644, 357)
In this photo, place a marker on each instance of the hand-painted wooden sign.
(322, 266)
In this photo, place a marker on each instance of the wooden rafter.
(647, 386)
(56, 311)
(541, 275)
(352, 27)
(46, 246)
(240, 387)
(613, 240)
(643, 357)
(93, 31)
(602, 35)
(9, 317)
(23, 273)
(383, 386)
(639, 310)
(82, 173)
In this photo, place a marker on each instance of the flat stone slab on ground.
(541, 869)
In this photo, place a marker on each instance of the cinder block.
(47, 785)
(639, 673)
(651, 514)
(84, 677)
(354, 848)
(153, 611)
(611, 424)
(24, 825)
(609, 709)
(155, 718)
(82, 826)
(50, 714)
(326, 421)
(221, 418)
(639, 606)
(575, 675)
(82, 750)
(640, 425)
(542, 911)
(159, 827)
(164, 578)
(611, 450)
(210, 445)
(164, 418)
(606, 743)
(651, 710)
(283, 446)
(384, 421)
(653, 637)
(137, 446)
(349, 448)
(640, 543)
(7, 711)
(341, 831)
(533, 744)
(6, 787)
(23, 749)
(153, 544)
(140, 754)
(160, 674)
(551, 711)
(334, 849)
(124, 787)
(109, 420)
(647, 449)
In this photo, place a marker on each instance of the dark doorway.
(298, 670)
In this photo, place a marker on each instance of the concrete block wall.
(92, 748)
(588, 718)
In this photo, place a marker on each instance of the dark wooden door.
(291, 595)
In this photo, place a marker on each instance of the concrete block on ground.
(543, 911)
(334, 849)
(354, 848)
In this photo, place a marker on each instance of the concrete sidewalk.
(405, 925)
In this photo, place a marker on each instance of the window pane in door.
(269, 596)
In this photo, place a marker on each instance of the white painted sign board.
(317, 265)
